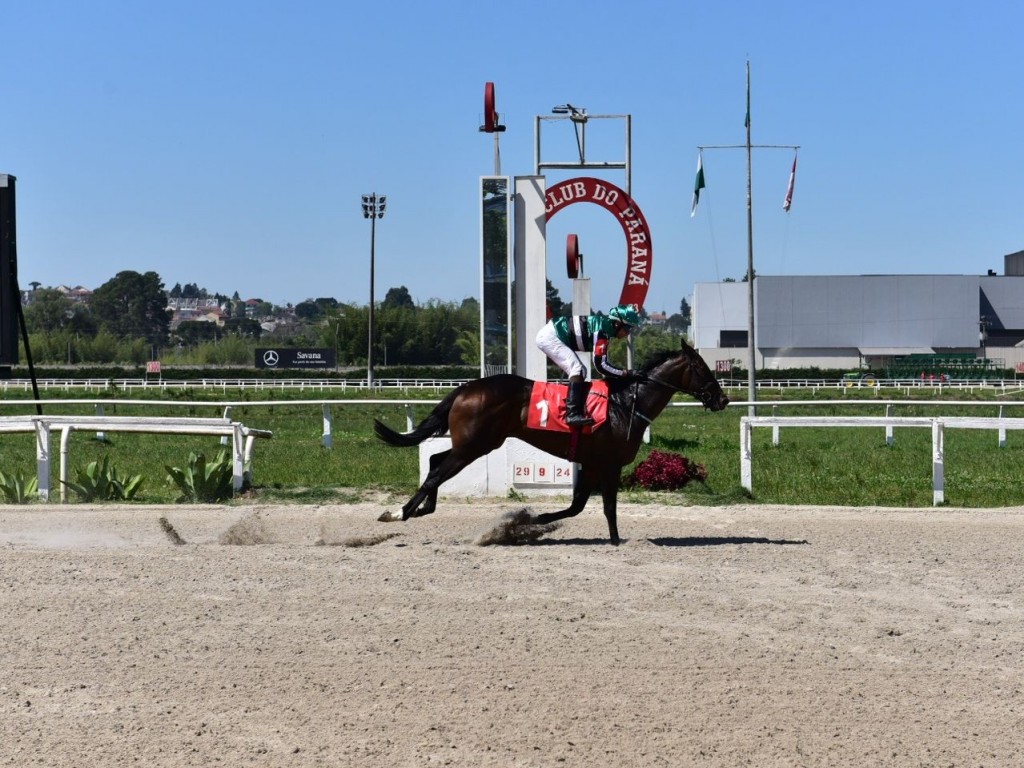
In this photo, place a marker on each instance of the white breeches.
(560, 354)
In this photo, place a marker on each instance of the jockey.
(562, 337)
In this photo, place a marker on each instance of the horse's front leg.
(580, 496)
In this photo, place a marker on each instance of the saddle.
(547, 406)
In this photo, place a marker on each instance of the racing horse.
(483, 413)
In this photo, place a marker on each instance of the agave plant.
(100, 482)
(203, 482)
(16, 489)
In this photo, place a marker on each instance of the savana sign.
(295, 357)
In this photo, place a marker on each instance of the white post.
(327, 440)
(746, 454)
(1002, 430)
(889, 438)
(247, 461)
(227, 415)
(938, 466)
(43, 459)
(101, 436)
(237, 457)
(409, 423)
(65, 449)
(775, 428)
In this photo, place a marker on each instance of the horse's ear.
(683, 344)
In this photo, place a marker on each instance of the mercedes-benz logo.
(270, 358)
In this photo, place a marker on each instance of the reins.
(661, 382)
(633, 412)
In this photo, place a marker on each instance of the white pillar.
(43, 460)
(530, 274)
(746, 454)
(938, 464)
(327, 440)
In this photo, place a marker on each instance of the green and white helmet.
(627, 314)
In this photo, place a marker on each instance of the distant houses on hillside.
(200, 310)
(206, 310)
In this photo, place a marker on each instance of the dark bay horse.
(482, 413)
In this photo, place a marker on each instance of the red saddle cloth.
(547, 406)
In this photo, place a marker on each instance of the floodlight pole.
(373, 209)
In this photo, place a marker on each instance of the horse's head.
(686, 370)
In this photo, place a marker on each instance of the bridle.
(705, 395)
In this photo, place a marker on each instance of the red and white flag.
(789, 189)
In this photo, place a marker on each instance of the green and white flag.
(698, 184)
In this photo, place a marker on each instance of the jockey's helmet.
(626, 314)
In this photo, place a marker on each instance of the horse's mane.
(654, 361)
(658, 358)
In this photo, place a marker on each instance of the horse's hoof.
(390, 517)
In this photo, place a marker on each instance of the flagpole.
(699, 184)
(751, 347)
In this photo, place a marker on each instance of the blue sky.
(228, 143)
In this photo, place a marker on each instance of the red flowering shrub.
(663, 471)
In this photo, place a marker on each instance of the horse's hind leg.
(443, 466)
(431, 496)
(423, 493)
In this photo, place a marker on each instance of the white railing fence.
(937, 424)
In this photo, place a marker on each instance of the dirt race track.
(317, 636)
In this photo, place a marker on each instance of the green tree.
(399, 297)
(132, 305)
(192, 332)
(684, 309)
(82, 321)
(680, 322)
(49, 311)
(555, 303)
(307, 310)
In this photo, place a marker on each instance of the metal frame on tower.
(579, 118)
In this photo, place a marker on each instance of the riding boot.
(574, 415)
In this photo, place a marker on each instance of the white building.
(853, 321)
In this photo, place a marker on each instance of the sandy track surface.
(309, 636)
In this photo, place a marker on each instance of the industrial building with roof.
(864, 321)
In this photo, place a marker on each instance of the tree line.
(127, 321)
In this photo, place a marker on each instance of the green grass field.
(810, 466)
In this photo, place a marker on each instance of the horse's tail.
(435, 425)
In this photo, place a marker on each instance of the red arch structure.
(638, 236)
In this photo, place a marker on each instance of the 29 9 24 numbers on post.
(557, 473)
